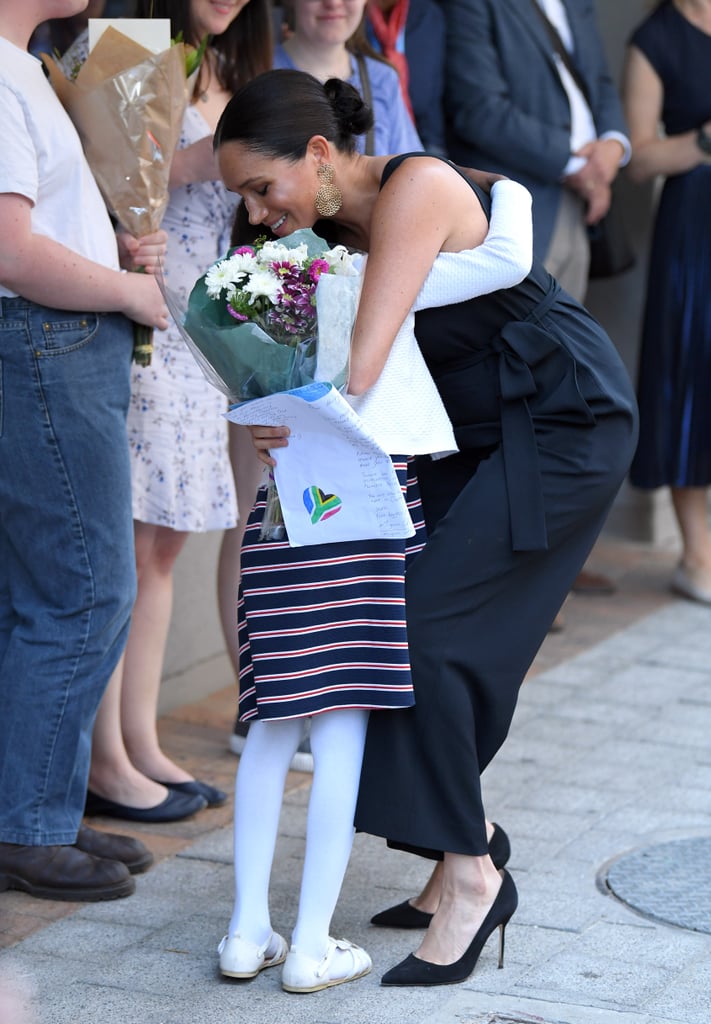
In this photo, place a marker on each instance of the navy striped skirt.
(323, 627)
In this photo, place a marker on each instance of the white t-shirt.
(42, 159)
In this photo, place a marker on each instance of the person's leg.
(468, 890)
(112, 774)
(337, 741)
(476, 901)
(467, 582)
(692, 513)
(568, 255)
(428, 900)
(68, 574)
(692, 576)
(157, 548)
(316, 960)
(259, 790)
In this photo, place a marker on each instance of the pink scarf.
(390, 32)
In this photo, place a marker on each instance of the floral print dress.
(181, 473)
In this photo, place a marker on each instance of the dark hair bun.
(353, 115)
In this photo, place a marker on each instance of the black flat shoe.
(175, 807)
(404, 915)
(213, 797)
(413, 971)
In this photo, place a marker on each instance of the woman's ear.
(319, 148)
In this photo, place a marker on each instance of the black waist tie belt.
(522, 345)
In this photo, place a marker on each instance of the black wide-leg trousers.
(477, 614)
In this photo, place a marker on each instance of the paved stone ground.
(608, 757)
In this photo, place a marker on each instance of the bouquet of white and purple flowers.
(271, 317)
(274, 316)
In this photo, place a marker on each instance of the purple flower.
(317, 268)
(235, 314)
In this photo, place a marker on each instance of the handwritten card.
(335, 482)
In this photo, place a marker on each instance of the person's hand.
(266, 438)
(484, 179)
(598, 204)
(592, 182)
(144, 253)
(603, 160)
(143, 301)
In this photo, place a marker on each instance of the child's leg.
(259, 790)
(337, 742)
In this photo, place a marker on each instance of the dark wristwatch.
(703, 141)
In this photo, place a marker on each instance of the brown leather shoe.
(62, 873)
(131, 852)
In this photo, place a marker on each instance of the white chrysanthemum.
(340, 261)
(277, 252)
(263, 284)
(218, 278)
(239, 264)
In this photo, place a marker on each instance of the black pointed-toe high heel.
(413, 971)
(499, 847)
(404, 915)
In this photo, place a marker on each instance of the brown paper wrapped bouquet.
(128, 105)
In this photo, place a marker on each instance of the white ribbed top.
(403, 408)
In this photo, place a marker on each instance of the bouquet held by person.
(127, 102)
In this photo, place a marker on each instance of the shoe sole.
(325, 984)
(137, 867)
(115, 892)
(253, 974)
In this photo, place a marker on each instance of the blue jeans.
(67, 568)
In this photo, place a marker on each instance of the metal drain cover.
(667, 882)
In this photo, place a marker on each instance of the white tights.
(337, 741)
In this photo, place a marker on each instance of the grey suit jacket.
(506, 107)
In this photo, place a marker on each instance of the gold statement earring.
(329, 198)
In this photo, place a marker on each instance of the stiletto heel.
(413, 971)
(404, 915)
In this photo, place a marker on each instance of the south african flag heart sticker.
(319, 505)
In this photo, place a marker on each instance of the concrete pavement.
(608, 758)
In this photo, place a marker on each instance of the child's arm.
(48, 273)
(502, 260)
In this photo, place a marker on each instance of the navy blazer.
(506, 107)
